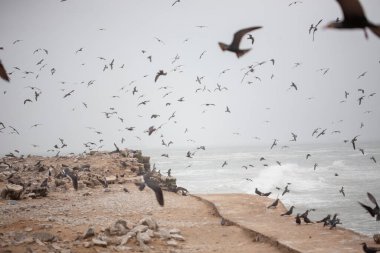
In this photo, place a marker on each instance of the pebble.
(98, 242)
(172, 242)
(150, 222)
(28, 229)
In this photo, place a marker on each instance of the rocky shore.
(42, 212)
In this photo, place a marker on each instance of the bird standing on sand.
(298, 219)
(154, 186)
(274, 204)
(234, 46)
(289, 212)
(354, 17)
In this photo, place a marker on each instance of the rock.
(150, 222)
(28, 229)
(12, 191)
(172, 243)
(139, 229)
(178, 237)
(119, 228)
(44, 237)
(111, 179)
(125, 239)
(143, 238)
(98, 242)
(87, 244)
(376, 238)
(164, 234)
(90, 232)
(175, 231)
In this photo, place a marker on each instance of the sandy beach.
(60, 221)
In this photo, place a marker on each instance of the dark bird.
(151, 130)
(322, 133)
(353, 141)
(27, 100)
(293, 85)
(326, 219)
(147, 180)
(367, 249)
(224, 164)
(373, 159)
(261, 193)
(234, 46)
(285, 190)
(307, 156)
(68, 94)
(274, 204)
(315, 165)
(298, 219)
(307, 220)
(354, 17)
(374, 212)
(342, 191)
(3, 73)
(159, 73)
(251, 38)
(361, 150)
(274, 143)
(44, 183)
(314, 28)
(362, 75)
(289, 212)
(294, 137)
(74, 178)
(227, 109)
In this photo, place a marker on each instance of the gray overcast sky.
(267, 109)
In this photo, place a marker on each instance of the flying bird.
(3, 73)
(159, 73)
(234, 46)
(147, 180)
(353, 141)
(374, 212)
(251, 38)
(342, 191)
(354, 17)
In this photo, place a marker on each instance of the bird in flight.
(147, 180)
(250, 37)
(374, 212)
(354, 17)
(313, 28)
(3, 73)
(159, 73)
(234, 46)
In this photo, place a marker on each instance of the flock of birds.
(354, 18)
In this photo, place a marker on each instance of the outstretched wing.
(352, 9)
(157, 190)
(239, 34)
(3, 73)
(369, 209)
(372, 198)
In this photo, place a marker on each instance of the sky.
(82, 37)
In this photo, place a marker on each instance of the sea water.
(337, 165)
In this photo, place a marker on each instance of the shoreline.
(66, 213)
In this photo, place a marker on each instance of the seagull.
(294, 137)
(274, 143)
(224, 164)
(74, 178)
(367, 249)
(274, 204)
(354, 17)
(159, 73)
(147, 180)
(374, 212)
(289, 212)
(342, 191)
(353, 141)
(293, 85)
(234, 46)
(3, 73)
(373, 159)
(251, 38)
(314, 28)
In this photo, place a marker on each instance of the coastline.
(66, 214)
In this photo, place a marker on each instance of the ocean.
(337, 165)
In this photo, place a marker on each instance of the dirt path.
(68, 215)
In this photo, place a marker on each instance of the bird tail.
(223, 46)
(375, 30)
(242, 52)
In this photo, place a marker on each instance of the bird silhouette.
(374, 212)
(274, 204)
(353, 141)
(289, 212)
(3, 73)
(234, 46)
(342, 191)
(148, 180)
(367, 249)
(354, 17)
(73, 176)
(251, 38)
(159, 73)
